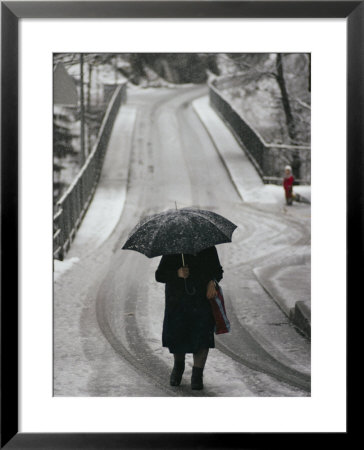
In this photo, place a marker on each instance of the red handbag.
(222, 324)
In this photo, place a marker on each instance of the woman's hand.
(183, 272)
(211, 290)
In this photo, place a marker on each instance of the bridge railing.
(72, 206)
(268, 159)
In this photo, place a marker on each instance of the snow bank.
(61, 267)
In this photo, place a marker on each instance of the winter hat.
(288, 168)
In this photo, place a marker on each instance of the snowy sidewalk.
(107, 205)
(287, 284)
(241, 171)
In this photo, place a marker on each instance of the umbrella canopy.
(185, 230)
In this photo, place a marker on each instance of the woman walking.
(188, 325)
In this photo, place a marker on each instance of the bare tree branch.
(302, 103)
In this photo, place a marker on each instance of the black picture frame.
(11, 12)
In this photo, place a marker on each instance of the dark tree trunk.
(309, 72)
(82, 114)
(90, 68)
(285, 100)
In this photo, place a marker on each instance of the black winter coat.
(188, 324)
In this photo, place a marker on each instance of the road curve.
(173, 160)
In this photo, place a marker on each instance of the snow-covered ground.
(108, 308)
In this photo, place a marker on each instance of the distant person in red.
(288, 188)
(288, 184)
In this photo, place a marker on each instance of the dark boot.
(196, 379)
(177, 372)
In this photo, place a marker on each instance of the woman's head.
(288, 170)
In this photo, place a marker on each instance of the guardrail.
(72, 206)
(268, 159)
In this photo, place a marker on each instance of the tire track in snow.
(135, 344)
(259, 358)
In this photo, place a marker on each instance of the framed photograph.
(119, 115)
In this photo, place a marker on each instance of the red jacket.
(287, 184)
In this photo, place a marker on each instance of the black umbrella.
(185, 230)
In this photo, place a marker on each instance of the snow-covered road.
(108, 309)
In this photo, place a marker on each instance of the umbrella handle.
(186, 288)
